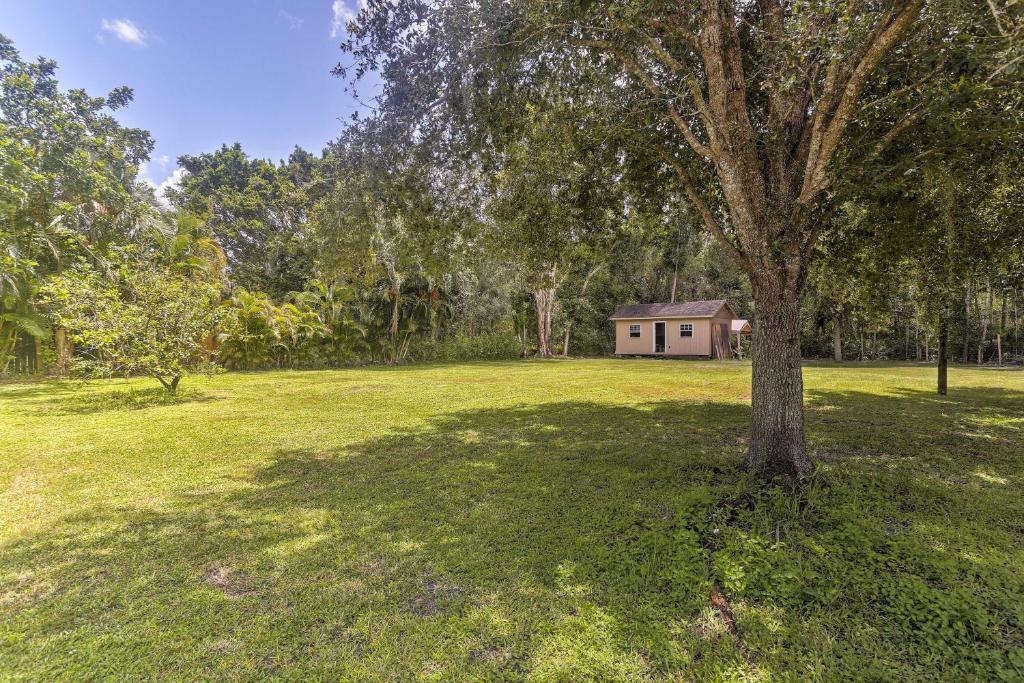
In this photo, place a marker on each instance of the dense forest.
(524, 171)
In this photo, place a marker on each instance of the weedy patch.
(437, 596)
(229, 582)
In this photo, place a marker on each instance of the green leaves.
(136, 318)
(29, 323)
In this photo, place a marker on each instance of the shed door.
(720, 340)
(659, 337)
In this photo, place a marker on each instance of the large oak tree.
(752, 105)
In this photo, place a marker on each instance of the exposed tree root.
(721, 602)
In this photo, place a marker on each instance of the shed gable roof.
(685, 309)
(741, 326)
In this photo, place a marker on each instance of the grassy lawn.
(509, 521)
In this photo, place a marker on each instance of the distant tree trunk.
(986, 317)
(544, 299)
(64, 351)
(1002, 327)
(943, 351)
(927, 350)
(837, 340)
(862, 342)
(967, 325)
(777, 445)
(38, 353)
(394, 314)
(1017, 325)
(917, 341)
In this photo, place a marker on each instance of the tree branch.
(911, 119)
(644, 77)
(714, 227)
(828, 140)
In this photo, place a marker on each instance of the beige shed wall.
(697, 345)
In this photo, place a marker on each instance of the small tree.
(135, 319)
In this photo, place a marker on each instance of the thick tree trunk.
(777, 444)
(837, 340)
(544, 300)
(675, 283)
(943, 352)
(565, 338)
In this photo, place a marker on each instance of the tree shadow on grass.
(77, 398)
(568, 541)
(971, 428)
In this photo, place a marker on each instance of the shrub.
(135, 319)
(499, 345)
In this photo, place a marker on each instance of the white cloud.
(172, 181)
(125, 30)
(341, 14)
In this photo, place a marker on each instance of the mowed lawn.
(560, 520)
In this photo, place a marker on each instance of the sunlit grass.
(509, 521)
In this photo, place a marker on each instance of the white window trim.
(690, 325)
(639, 330)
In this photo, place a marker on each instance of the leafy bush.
(314, 329)
(136, 319)
(500, 345)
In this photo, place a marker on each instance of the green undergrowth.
(549, 521)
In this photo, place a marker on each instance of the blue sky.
(204, 72)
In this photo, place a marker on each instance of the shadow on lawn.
(972, 426)
(67, 397)
(572, 540)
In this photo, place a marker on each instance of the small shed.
(740, 328)
(694, 329)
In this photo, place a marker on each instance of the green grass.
(509, 521)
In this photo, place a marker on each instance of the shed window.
(634, 330)
(686, 330)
